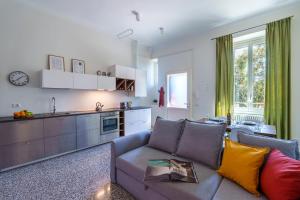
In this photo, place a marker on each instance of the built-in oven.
(109, 122)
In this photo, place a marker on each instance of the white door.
(174, 74)
(178, 95)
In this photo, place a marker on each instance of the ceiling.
(178, 17)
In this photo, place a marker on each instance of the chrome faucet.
(53, 104)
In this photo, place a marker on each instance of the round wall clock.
(18, 78)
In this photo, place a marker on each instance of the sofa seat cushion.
(134, 163)
(228, 190)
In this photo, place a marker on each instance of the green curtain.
(278, 63)
(224, 75)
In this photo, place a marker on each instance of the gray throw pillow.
(165, 134)
(287, 147)
(202, 142)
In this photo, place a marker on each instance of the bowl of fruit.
(23, 114)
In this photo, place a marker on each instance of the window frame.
(249, 43)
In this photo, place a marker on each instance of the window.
(177, 90)
(249, 75)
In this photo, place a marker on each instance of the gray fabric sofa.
(129, 156)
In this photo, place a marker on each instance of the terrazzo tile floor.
(81, 175)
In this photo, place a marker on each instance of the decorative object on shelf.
(56, 62)
(18, 78)
(99, 73)
(108, 74)
(103, 73)
(78, 66)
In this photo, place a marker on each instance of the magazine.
(165, 170)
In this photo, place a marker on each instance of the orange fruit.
(23, 114)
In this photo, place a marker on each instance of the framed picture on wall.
(56, 62)
(78, 66)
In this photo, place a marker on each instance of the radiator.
(248, 117)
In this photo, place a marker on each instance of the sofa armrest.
(122, 145)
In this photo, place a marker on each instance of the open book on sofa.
(170, 170)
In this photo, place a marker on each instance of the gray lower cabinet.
(88, 138)
(59, 126)
(109, 137)
(60, 144)
(25, 141)
(21, 142)
(87, 122)
(20, 153)
(88, 130)
(59, 135)
(20, 131)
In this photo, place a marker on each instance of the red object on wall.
(280, 178)
(161, 97)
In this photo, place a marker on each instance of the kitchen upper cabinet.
(85, 81)
(140, 83)
(122, 72)
(106, 83)
(137, 121)
(57, 79)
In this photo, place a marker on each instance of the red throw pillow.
(280, 178)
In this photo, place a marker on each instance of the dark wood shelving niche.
(122, 123)
(125, 84)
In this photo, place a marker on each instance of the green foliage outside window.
(250, 84)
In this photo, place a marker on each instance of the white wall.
(204, 60)
(27, 36)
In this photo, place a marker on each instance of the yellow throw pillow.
(241, 164)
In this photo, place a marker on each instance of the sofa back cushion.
(287, 147)
(202, 142)
(165, 134)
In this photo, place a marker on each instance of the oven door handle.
(110, 117)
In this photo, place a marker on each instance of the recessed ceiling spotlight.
(161, 30)
(137, 15)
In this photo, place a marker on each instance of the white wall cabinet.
(69, 80)
(106, 83)
(140, 83)
(122, 72)
(85, 81)
(137, 121)
(57, 79)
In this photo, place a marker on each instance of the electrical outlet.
(16, 105)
